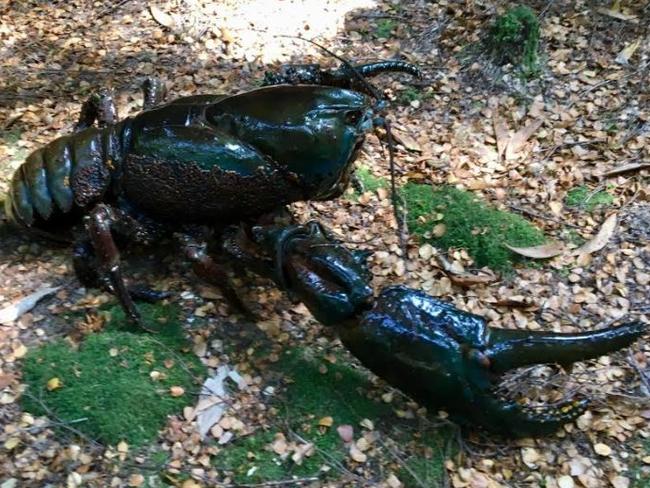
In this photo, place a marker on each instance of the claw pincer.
(451, 359)
(442, 356)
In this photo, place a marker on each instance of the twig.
(61, 423)
(403, 463)
(546, 9)
(111, 9)
(631, 360)
(570, 103)
(532, 213)
(290, 482)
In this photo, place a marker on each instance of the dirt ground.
(590, 109)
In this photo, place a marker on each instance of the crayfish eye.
(353, 116)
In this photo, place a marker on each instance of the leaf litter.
(589, 96)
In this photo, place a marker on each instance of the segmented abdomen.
(71, 171)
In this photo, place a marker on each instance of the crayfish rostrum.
(220, 166)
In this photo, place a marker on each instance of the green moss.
(369, 181)
(108, 382)
(584, 198)
(514, 39)
(309, 396)
(469, 224)
(385, 28)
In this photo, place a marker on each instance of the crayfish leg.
(211, 271)
(100, 107)
(101, 223)
(154, 92)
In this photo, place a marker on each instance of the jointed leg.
(154, 92)
(100, 264)
(210, 270)
(99, 107)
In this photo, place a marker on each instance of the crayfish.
(224, 163)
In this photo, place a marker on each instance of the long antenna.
(373, 91)
(389, 136)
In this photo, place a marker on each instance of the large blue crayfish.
(220, 166)
(202, 160)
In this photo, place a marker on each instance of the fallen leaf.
(539, 252)
(54, 384)
(468, 279)
(601, 239)
(565, 482)
(346, 433)
(602, 449)
(24, 305)
(357, 455)
(176, 391)
(163, 18)
(616, 14)
(625, 55)
(5, 380)
(406, 140)
(518, 141)
(326, 422)
(501, 133)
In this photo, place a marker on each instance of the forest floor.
(566, 149)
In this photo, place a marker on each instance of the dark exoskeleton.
(442, 356)
(212, 161)
(207, 160)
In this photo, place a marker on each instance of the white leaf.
(600, 240)
(24, 305)
(212, 401)
(539, 252)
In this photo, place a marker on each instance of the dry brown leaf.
(163, 18)
(5, 380)
(517, 142)
(326, 421)
(602, 449)
(625, 55)
(406, 140)
(467, 279)
(501, 133)
(539, 252)
(601, 239)
(616, 14)
(627, 168)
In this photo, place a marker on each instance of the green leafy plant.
(514, 38)
(384, 28)
(584, 198)
(463, 221)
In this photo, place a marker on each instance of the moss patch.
(108, 379)
(584, 198)
(385, 28)
(514, 39)
(316, 389)
(468, 224)
(309, 396)
(369, 181)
